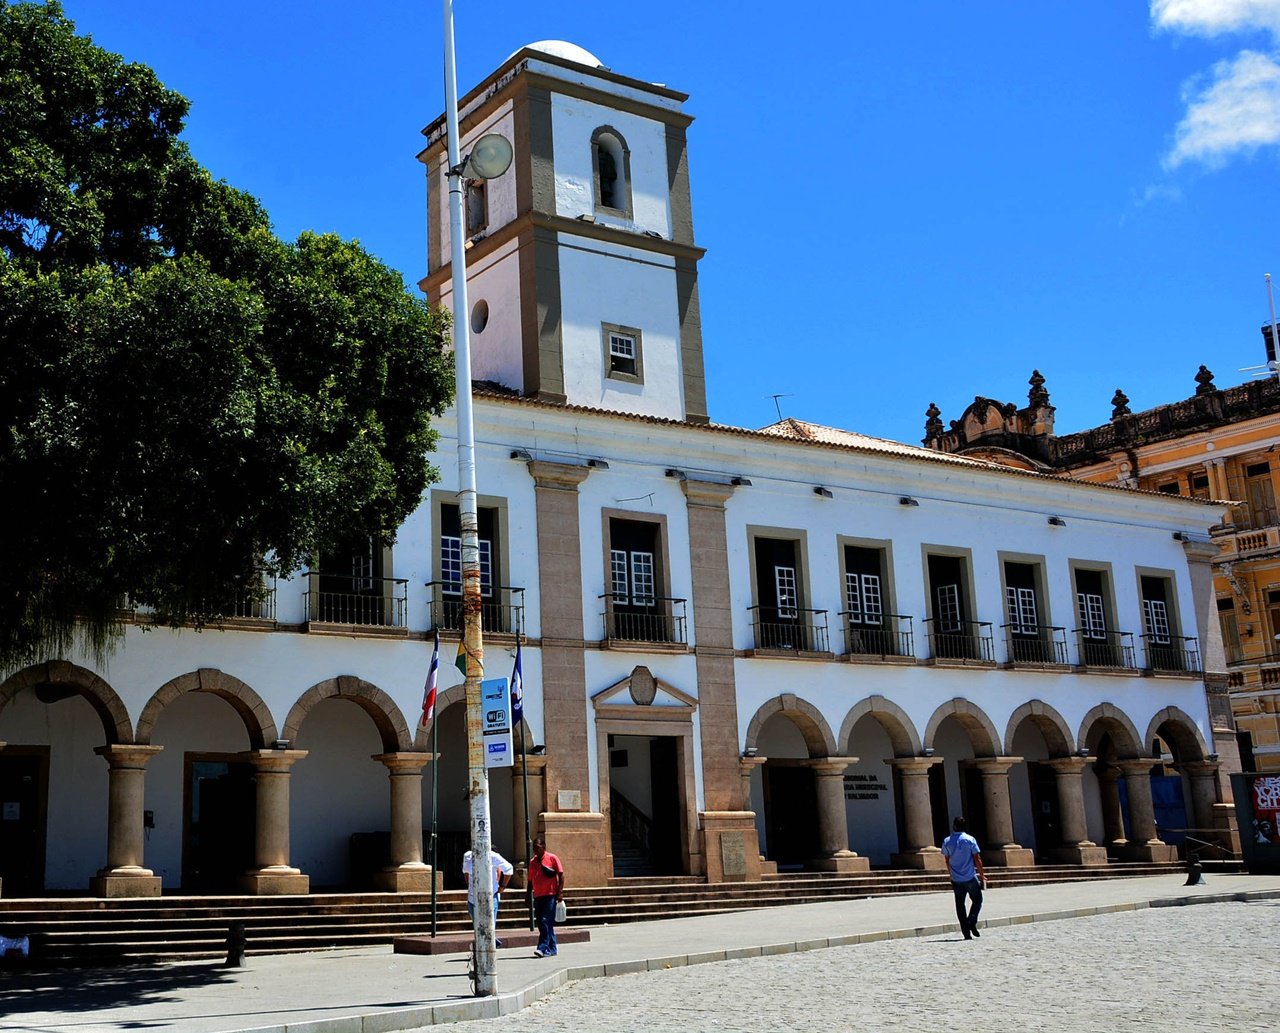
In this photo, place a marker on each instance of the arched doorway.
(876, 731)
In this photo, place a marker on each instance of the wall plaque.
(569, 800)
(733, 853)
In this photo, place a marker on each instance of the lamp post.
(489, 158)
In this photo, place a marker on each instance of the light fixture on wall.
(750, 751)
(1083, 751)
(1056, 521)
(822, 492)
(521, 453)
(1181, 536)
(740, 482)
(927, 751)
(597, 464)
(907, 500)
(280, 744)
(586, 217)
(679, 475)
(1213, 758)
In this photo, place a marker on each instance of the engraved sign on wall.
(569, 800)
(733, 853)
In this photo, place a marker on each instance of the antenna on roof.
(777, 406)
(1273, 350)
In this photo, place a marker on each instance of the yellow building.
(1217, 444)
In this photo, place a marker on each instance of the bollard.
(1195, 876)
(235, 945)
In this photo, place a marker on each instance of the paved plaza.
(1103, 955)
(1188, 968)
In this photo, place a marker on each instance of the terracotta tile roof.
(818, 436)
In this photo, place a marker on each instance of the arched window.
(611, 168)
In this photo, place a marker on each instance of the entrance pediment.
(640, 694)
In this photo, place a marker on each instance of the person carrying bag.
(546, 876)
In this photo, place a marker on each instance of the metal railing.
(775, 627)
(255, 604)
(1194, 845)
(1172, 653)
(1035, 643)
(501, 613)
(660, 618)
(960, 640)
(381, 602)
(1106, 649)
(893, 636)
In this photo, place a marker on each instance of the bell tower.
(581, 266)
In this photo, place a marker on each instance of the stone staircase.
(77, 931)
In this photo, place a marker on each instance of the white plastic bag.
(561, 911)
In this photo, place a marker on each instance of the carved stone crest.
(643, 687)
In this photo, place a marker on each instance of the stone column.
(918, 850)
(730, 843)
(833, 818)
(1112, 814)
(1076, 846)
(1203, 776)
(1001, 850)
(273, 874)
(581, 839)
(407, 873)
(1146, 844)
(535, 766)
(124, 875)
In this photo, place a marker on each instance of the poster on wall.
(1265, 798)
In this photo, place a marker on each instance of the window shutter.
(621, 582)
(788, 599)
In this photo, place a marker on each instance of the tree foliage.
(188, 402)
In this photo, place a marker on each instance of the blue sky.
(902, 202)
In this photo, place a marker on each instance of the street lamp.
(491, 157)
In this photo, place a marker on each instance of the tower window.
(622, 353)
(611, 167)
(477, 208)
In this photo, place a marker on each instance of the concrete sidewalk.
(372, 990)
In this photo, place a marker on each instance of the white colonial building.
(795, 646)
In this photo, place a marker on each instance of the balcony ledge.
(1120, 672)
(877, 658)
(354, 630)
(958, 663)
(787, 654)
(1044, 668)
(1182, 675)
(628, 645)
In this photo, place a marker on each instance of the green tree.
(189, 403)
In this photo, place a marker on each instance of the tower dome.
(566, 51)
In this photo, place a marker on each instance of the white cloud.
(1236, 113)
(1214, 17)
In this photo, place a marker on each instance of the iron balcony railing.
(892, 636)
(1172, 653)
(365, 601)
(1106, 649)
(789, 627)
(960, 640)
(1036, 643)
(656, 618)
(501, 612)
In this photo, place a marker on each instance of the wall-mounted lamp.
(597, 464)
(907, 500)
(280, 744)
(1213, 758)
(750, 751)
(1083, 751)
(1057, 522)
(824, 493)
(740, 482)
(927, 751)
(586, 217)
(1181, 536)
(521, 453)
(679, 475)
(655, 234)
(537, 751)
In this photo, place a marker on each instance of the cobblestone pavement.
(1201, 968)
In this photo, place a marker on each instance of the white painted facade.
(801, 705)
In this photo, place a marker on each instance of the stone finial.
(932, 424)
(1120, 405)
(1204, 381)
(1037, 397)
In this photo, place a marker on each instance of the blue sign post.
(495, 703)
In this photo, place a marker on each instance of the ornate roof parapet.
(1120, 405)
(1204, 381)
(932, 423)
(996, 428)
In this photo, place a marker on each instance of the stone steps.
(68, 930)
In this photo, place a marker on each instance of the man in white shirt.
(502, 872)
(967, 875)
